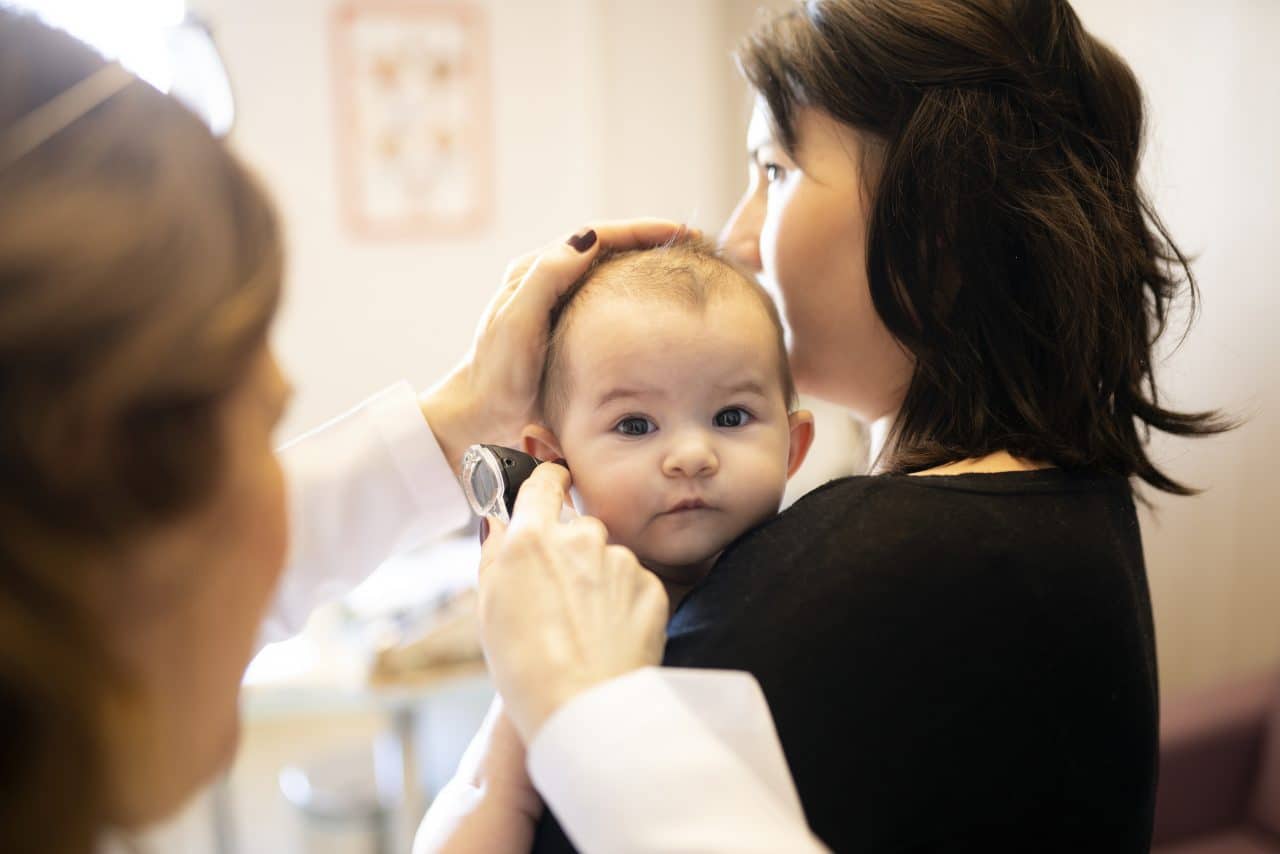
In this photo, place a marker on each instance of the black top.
(958, 663)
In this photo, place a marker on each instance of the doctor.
(148, 530)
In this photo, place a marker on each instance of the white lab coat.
(657, 760)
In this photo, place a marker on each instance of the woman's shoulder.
(1045, 481)
(867, 523)
(859, 548)
(878, 499)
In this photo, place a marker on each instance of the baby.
(666, 390)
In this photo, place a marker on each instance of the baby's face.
(676, 426)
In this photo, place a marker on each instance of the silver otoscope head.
(491, 478)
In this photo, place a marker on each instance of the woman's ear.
(801, 439)
(541, 443)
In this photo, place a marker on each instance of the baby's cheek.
(610, 507)
(766, 487)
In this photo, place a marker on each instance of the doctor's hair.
(1009, 247)
(688, 272)
(140, 268)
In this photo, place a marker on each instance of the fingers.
(541, 497)
(491, 546)
(649, 601)
(539, 280)
(556, 268)
(640, 233)
(622, 560)
(541, 500)
(590, 528)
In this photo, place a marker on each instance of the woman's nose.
(690, 456)
(740, 237)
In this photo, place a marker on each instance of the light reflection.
(156, 40)
(133, 32)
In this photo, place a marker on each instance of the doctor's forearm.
(467, 819)
(362, 488)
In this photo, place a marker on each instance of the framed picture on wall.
(413, 110)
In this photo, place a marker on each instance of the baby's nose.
(691, 456)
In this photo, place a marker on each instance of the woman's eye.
(732, 417)
(634, 426)
(773, 172)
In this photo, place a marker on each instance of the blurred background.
(570, 110)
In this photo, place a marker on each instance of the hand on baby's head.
(667, 390)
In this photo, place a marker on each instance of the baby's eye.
(774, 172)
(734, 416)
(634, 426)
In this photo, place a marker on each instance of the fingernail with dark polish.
(484, 530)
(583, 241)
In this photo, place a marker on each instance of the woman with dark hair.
(957, 650)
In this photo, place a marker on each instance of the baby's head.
(666, 389)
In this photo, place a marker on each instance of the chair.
(1219, 781)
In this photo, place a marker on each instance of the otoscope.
(491, 477)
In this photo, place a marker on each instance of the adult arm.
(490, 805)
(362, 488)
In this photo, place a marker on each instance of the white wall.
(602, 108)
(1213, 86)
(360, 314)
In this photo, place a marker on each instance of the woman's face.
(187, 622)
(802, 225)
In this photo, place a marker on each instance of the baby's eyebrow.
(619, 393)
(744, 387)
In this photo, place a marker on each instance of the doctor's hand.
(560, 609)
(490, 395)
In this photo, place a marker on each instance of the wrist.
(512, 796)
(544, 705)
(446, 412)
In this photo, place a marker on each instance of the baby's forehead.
(650, 339)
(663, 275)
(666, 277)
(662, 310)
(629, 302)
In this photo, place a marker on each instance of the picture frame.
(413, 107)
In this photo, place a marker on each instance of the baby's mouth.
(687, 505)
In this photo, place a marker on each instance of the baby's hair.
(686, 271)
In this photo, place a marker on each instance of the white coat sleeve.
(362, 488)
(668, 759)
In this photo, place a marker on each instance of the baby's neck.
(679, 580)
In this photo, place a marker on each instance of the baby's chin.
(684, 566)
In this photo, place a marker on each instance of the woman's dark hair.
(140, 269)
(1009, 247)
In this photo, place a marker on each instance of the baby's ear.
(801, 439)
(541, 443)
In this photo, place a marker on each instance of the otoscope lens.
(485, 485)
